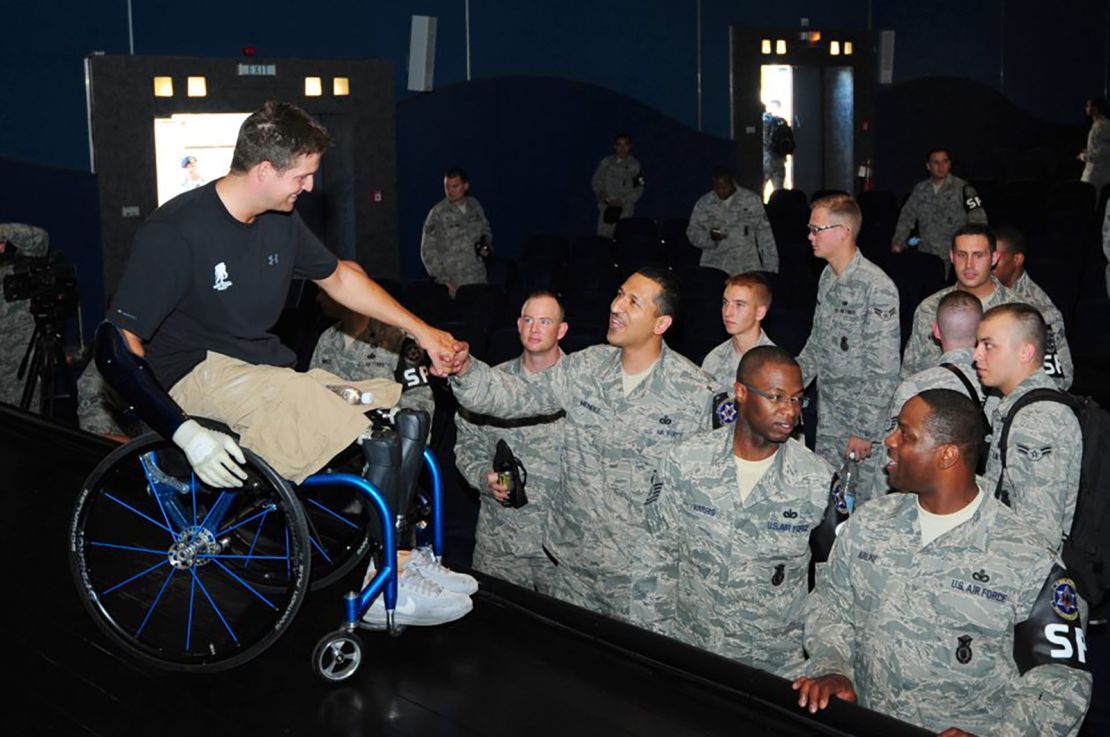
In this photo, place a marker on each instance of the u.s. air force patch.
(1065, 599)
(1032, 453)
(884, 314)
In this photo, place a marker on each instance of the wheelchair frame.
(199, 537)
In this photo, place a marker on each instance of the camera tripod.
(44, 365)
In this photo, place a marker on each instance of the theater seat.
(427, 300)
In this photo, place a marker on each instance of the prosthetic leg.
(394, 456)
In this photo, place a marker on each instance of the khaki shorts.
(289, 418)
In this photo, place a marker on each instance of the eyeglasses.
(799, 402)
(815, 229)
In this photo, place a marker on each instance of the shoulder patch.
(1034, 453)
(884, 313)
(1065, 599)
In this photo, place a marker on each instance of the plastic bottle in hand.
(351, 395)
(844, 486)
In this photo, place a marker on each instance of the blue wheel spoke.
(132, 548)
(193, 493)
(254, 541)
(246, 585)
(189, 622)
(215, 556)
(333, 513)
(247, 521)
(318, 548)
(155, 602)
(288, 563)
(148, 518)
(212, 603)
(154, 567)
(211, 509)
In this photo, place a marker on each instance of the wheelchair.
(190, 578)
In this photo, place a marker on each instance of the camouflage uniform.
(1043, 455)
(738, 571)
(1097, 169)
(1057, 361)
(721, 362)
(612, 446)
(774, 166)
(938, 215)
(447, 246)
(373, 355)
(748, 245)
(852, 351)
(922, 350)
(509, 542)
(1106, 246)
(99, 409)
(16, 323)
(936, 377)
(926, 634)
(619, 180)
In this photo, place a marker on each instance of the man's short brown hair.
(754, 280)
(278, 132)
(1029, 322)
(843, 208)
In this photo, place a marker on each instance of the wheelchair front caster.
(337, 656)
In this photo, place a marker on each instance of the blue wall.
(645, 49)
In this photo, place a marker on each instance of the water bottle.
(351, 395)
(844, 485)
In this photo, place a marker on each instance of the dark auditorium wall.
(646, 49)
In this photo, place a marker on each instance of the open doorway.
(819, 105)
(776, 92)
(820, 81)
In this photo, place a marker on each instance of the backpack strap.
(974, 394)
(971, 390)
(1036, 395)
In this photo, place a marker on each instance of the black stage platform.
(519, 664)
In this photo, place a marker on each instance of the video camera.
(47, 281)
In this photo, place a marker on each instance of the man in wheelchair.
(206, 279)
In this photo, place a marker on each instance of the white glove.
(210, 454)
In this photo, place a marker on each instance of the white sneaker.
(424, 560)
(420, 603)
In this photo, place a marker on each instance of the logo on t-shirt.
(222, 282)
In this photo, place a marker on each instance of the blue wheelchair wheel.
(182, 576)
(339, 524)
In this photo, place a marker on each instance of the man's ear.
(262, 170)
(1026, 352)
(760, 313)
(948, 456)
(563, 328)
(936, 330)
(740, 392)
(662, 323)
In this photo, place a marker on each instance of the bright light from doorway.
(776, 92)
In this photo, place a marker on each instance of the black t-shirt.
(200, 280)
